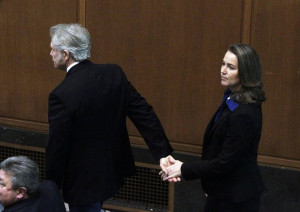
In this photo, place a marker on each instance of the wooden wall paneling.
(171, 50)
(275, 33)
(81, 12)
(27, 74)
(246, 21)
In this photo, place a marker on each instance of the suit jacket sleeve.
(238, 139)
(50, 198)
(144, 118)
(58, 141)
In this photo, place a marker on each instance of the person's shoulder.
(50, 198)
(110, 70)
(29, 204)
(247, 111)
(48, 185)
(108, 66)
(244, 108)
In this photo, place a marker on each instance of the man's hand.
(165, 163)
(174, 171)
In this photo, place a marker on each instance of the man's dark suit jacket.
(88, 151)
(228, 169)
(46, 199)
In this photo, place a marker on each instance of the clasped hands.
(170, 169)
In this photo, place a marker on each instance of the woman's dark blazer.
(228, 169)
(88, 152)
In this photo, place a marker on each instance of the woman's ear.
(22, 193)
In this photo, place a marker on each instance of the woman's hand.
(170, 169)
(174, 171)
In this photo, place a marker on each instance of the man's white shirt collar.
(70, 66)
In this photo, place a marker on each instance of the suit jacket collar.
(232, 105)
(23, 203)
(82, 64)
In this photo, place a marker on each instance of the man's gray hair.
(71, 37)
(25, 173)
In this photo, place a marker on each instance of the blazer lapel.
(210, 126)
(213, 125)
(220, 120)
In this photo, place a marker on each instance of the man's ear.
(67, 54)
(22, 193)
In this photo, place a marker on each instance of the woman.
(228, 169)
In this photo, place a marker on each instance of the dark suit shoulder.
(247, 115)
(47, 199)
(94, 71)
(84, 74)
(48, 185)
(50, 197)
(109, 69)
(110, 66)
(247, 109)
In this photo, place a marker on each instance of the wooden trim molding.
(24, 124)
(147, 165)
(281, 162)
(171, 197)
(181, 147)
(122, 208)
(197, 150)
(23, 147)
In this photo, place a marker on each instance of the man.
(21, 191)
(88, 151)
